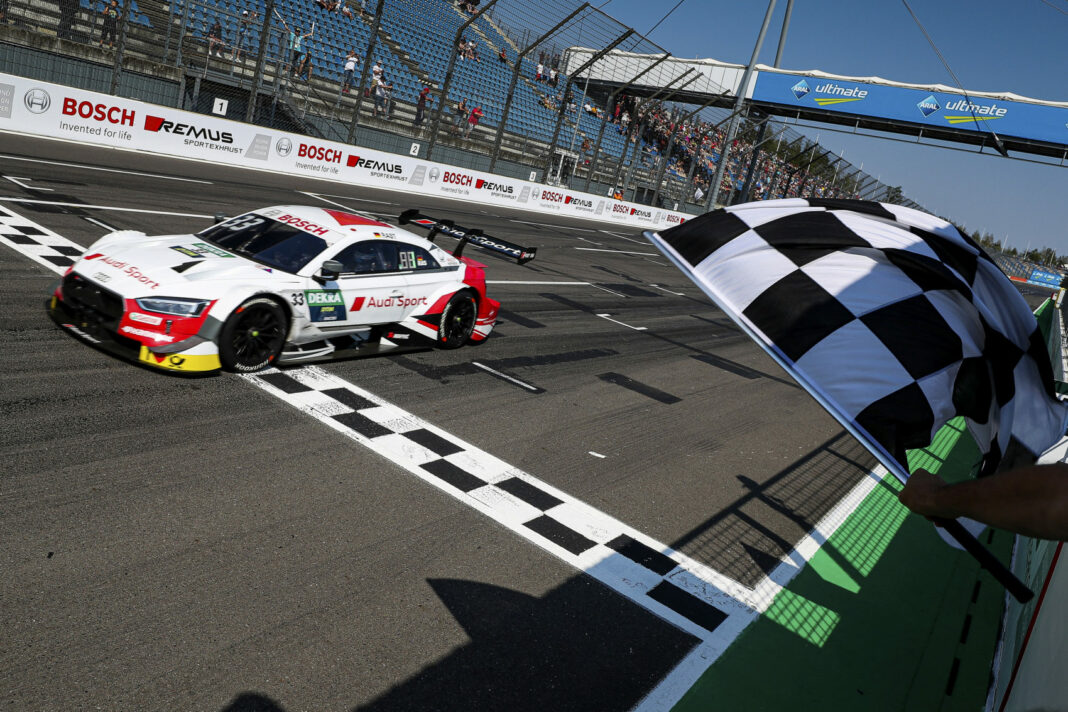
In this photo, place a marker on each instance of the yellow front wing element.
(185, 362)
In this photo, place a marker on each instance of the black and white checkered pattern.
(41, 245)
(890, 316)
(680, 590)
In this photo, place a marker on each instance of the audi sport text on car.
(283, 284)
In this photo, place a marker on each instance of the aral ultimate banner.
(1037, 122)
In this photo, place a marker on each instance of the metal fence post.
(116, 68)
(609, 102)
(448, 78)
(567, 92)
(498, 138)
(261, 60)
(638, 129)
(724, 153)
(365, 70)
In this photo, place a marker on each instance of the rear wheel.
(457, 320)
(252, 336)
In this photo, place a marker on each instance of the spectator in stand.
(472, 120)
(215, 39)
(462, 113)
(502, 56)
(420, 105)
(111, 20)
(347, 11)
(300, 57)
(387, 90)
(351, 60)
(246, 22)
(376, 72)
(553, 76)
(378, 91)
(68, 10)
(538, 72)
(461, 49)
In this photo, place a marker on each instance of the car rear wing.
(521, 255)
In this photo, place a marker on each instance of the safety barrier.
(51, 110)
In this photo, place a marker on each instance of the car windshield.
(266, 241)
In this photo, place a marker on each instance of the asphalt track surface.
(174, 543)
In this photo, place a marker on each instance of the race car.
(284, 284)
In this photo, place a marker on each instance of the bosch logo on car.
(318, 153)
(303, 225)
(158, 124)
(98, 112)
(382, 166)
(552, 197)
(457, 178)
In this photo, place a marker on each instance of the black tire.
(252, 336)
(457, 320)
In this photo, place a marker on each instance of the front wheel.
(252, 336)
(457, 321)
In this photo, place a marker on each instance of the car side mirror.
(330, 271)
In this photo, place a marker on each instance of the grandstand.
(636, 146)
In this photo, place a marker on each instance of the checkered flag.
(891, 318)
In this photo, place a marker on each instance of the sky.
(1018, 46)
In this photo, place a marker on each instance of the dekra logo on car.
(325, 304)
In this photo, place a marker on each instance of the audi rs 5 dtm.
(285, 284)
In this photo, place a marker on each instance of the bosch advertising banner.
(918, 106)
(43, 109)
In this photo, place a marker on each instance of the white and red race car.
(285, 284)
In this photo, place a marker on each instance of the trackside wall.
(38, 108)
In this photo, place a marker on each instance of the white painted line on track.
(597, 454)
(511, 281)
(104, 225)
(324, 196)
(103, 207)
(505, 376)
(610, 291)
(106, 170)
(592, 242)
(662, 289)
(624, 237)
(556, 227)
(618, 252)
(18, 181)
(636, 328)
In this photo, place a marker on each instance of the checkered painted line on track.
(41, 245)
(663, 581)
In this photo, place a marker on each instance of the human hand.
(919, 492)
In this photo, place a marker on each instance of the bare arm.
(1031, 500)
